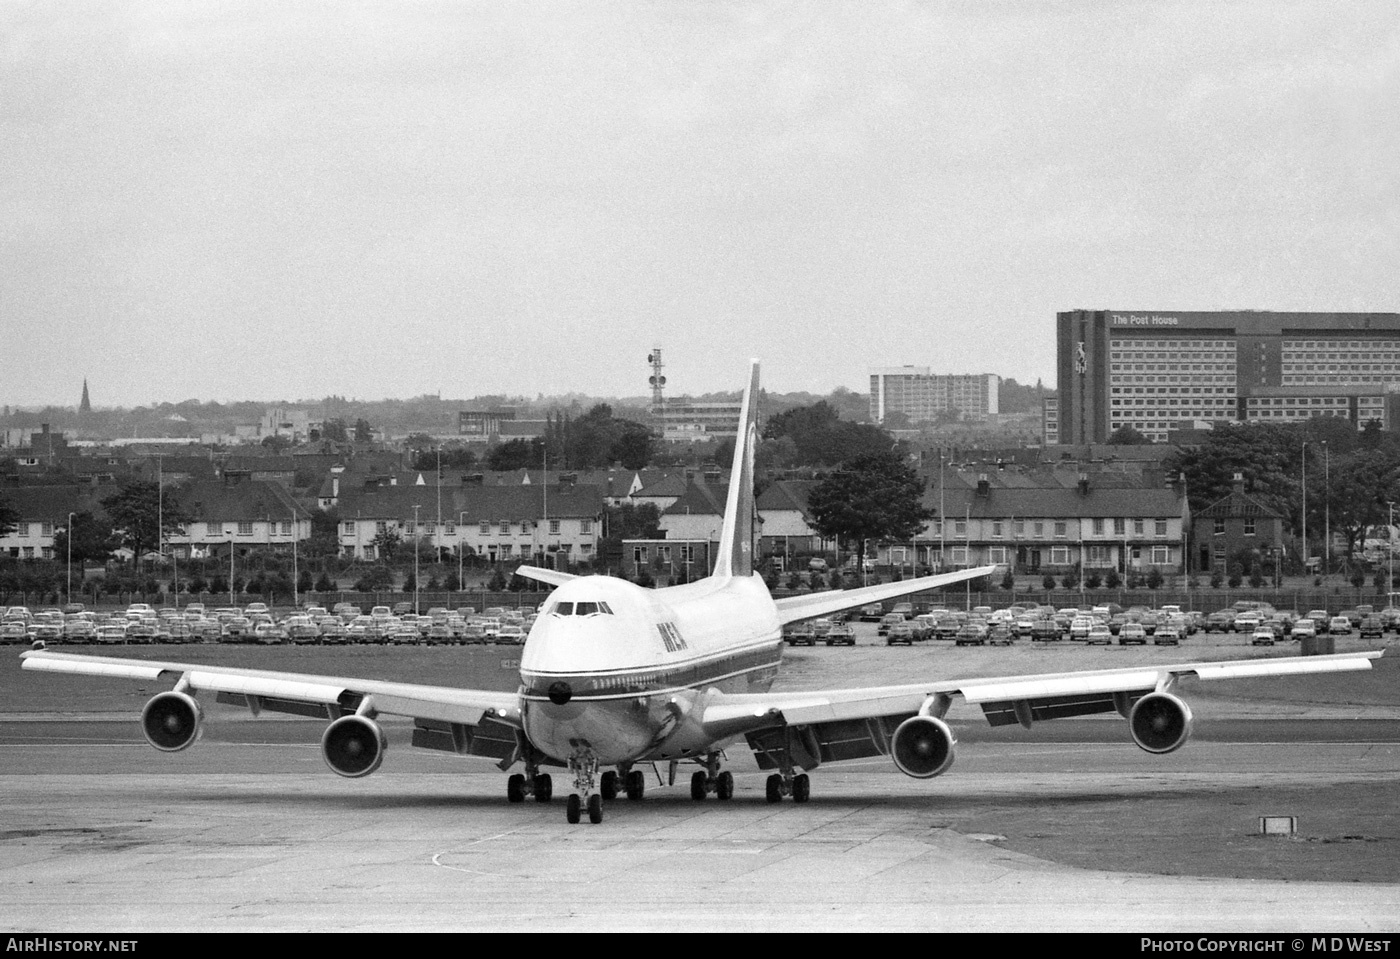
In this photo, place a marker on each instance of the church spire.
(86, 405)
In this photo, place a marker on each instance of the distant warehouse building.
(1152, 370)
(923, 396)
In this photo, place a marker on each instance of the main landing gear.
(629, 781)
(534, 783)
(799, 787)
(711, 780)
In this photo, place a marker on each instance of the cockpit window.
(580, 609)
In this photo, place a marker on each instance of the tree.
(1128, 436)
(8, 517)
(516, 454)
(142, 515)
(876, 496)
(335, 431)
(364, 433)
(277, 443)
(324, 540)
(821, 437)
(386, 543)
(92, 538)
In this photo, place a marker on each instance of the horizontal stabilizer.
(794, 608)
(551, 576)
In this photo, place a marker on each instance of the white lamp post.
(461, 551)
(415, 560)
(1305, 506)
(1326, 512)
(69, 536)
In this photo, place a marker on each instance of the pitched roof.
(1236, 503)
(699, 499)
(473, 504)
(246, 501)
(1059, 503)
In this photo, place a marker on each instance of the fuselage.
(618, 673)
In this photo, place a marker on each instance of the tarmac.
(1073, 829)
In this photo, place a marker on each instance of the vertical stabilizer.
(735, 556)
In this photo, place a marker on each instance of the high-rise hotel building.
(922, 396)
(1155, 370)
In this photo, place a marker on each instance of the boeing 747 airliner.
(615, 677)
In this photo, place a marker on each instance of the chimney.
(335, 487)
(984, 486)
(1237, 483)
(1083, 484)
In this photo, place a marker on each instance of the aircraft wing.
(807, 606)
(856, 723)
(483, 722)
(551, 576)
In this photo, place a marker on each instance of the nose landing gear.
(584, 768)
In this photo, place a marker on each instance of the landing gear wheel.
(573, 809)
(724, 785)
(544, 787)
(775, 788)
(595, 809)
(636, 785)
(515, 788)
(801, 788)
(608, 785)
(697, 786)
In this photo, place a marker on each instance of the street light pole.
(69, 537)
(1305, 506)
(1326, 512)
(415, 560)
(1390, 541)
(461, 533)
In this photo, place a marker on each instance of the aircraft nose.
(560, 692)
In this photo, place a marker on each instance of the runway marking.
(437, 856)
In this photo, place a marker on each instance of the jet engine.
(1160, 722)
(922, 747)
(172, 721)
(353, 746)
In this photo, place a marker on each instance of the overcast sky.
(288, 199)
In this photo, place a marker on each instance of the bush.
(1048, 581)
(324, 584)
(1071, 580)
(1216, 579)
(1256, 577)
(1112, 580)
(1008, 582)
(1092, 581)
(644, 578)
(1154, 579)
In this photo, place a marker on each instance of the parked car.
(971, 633)
(1132, 634)
(1167, 636)
(889, 620)
(1001, 635)
(842, 634)
(1304, 628)
(900, 632)
(1047, 631)
(1099, 633)
(1262, 636)
(512, 634)
(1372, 626)
(1339, 626)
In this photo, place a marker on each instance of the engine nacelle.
(1160, 722)
(922, 747)
(354, 746)
(172, 721)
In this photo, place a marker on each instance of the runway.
(251, 832)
